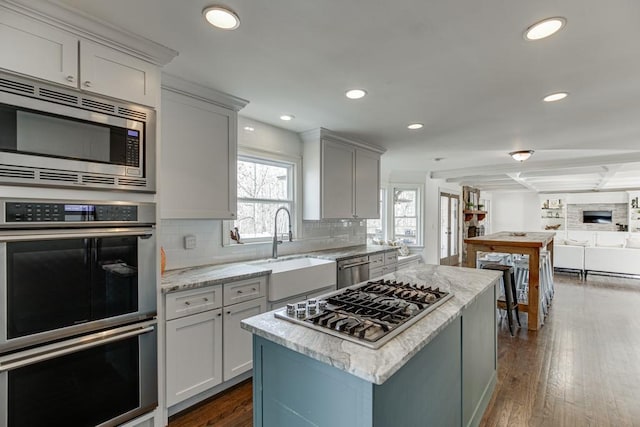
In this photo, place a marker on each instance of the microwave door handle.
(68, 347)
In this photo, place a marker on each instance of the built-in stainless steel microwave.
(52, 136)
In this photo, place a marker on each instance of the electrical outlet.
(190, 242)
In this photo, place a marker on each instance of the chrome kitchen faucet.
(274, 252)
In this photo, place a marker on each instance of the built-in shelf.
(470, 214)
(553, 214)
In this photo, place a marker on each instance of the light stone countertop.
(197, 277)
(340, 254)
(207, 275)
(377, 366)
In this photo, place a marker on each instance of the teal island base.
(447, 383)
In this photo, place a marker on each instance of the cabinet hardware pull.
(206, 299)
(239, 291)
(187, 303)
(228, 312)
(70, 78)
(87, 83)
(253, 289)
(219, 314)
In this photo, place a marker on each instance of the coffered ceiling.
(460, 67)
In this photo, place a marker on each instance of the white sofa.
(612, 260)
(568, 257)
(604, 253)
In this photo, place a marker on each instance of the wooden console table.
(529, 244)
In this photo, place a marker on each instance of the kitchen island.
(529, 243)
(441, 371)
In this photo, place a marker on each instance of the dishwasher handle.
(355, 264)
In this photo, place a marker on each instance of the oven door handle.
(49, 234)
(19, 360)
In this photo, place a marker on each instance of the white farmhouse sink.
(297, 276)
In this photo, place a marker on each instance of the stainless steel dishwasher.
(352, 271)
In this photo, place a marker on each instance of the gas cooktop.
(370, 314)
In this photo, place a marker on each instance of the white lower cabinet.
(237, 343)
(194, 354)
(381, 264)
(205, 345)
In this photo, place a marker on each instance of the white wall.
(312, 235)
(514, 211)
(268, 138)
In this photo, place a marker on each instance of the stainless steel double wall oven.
(77, 312)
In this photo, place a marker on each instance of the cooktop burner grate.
(370, 314)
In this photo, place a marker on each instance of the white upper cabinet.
(110, 72)
(62, 53)
(367, 177)
(199, 151)
(38, 50)
(337, 197)
(341, 177)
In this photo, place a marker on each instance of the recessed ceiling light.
(414, 126)
(221, 17)
(544, 28)
(555, 96)
(249, 128)
(287, 117)
(356, 93)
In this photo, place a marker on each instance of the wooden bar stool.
(509, 288)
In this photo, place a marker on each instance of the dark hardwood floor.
(581, 369)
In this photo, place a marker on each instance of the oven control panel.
(35, 212)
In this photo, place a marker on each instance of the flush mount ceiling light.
(545, 28)
(221, 17)
(355, 93)
(521, 155)
(414, 126)
(287, 117)
(552, 97)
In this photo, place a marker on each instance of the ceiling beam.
(523, 182)
(558, 165)
(611, 172)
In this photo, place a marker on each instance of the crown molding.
(83, 25)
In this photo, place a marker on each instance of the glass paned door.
(449, 231)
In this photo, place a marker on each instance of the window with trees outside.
(263, 186)
(406, 221)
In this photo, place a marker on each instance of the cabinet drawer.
(388, 269)
(193, 301)
(376, 261)
(375, 273)
(390, 257)
(244, 290)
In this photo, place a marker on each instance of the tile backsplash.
(574, 216)
(315, 235)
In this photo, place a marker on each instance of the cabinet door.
(337, 180)
(367, 192)
(198, 166)
(37, 49)
(238, 343)
(110, 72)
(194, 355)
